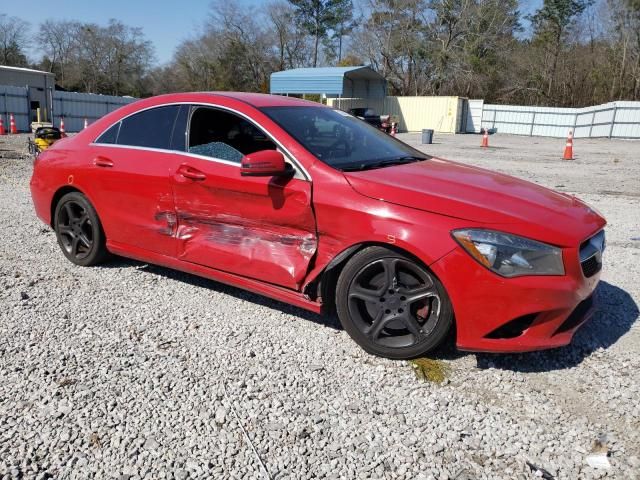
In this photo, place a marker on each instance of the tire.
(79, 231)
(391, 305)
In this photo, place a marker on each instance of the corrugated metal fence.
(14, 100)
(611, 120)
(74, 107)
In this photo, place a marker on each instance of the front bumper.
(546, 311)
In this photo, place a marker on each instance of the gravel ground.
(133, 371)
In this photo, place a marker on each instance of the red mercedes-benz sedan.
(313, 207)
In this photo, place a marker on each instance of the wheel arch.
(323, 286)
(61, 192)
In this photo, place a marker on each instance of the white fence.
(611, 120)
(73, 107)
(473, 120)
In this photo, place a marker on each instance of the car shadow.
(616, 313)
(330, 321)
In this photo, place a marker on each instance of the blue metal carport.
(348, 82)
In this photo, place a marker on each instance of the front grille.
(591, 254)
(591, 266)
(577, 316)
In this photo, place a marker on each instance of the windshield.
(341, 140)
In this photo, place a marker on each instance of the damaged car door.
(261, 227)
(130, 163)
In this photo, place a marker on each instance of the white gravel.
(132, 371)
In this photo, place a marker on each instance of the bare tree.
(14, 41)
(58, 40)
(290, 40)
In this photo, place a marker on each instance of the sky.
(165, 23)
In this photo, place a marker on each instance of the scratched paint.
(238, 243)
(168, 222)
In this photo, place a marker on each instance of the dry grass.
(429, 370)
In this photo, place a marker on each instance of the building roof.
(327, 80)
(25, 70)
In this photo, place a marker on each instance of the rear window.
(151, 128)
(110, 136)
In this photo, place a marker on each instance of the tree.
(114, 59)
(393, 39)
(469, 44)
(290, 40)
(58, 40)
(625, 49)
(551, 24)
(14, 35)
(344, 25)
(320, 17)
(128, 55)
(235, 51)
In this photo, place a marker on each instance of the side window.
(178, 138)
(151, 128)
(223, 135)
(110, 136)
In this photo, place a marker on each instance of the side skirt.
(255, 286)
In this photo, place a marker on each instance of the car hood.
(481, 196)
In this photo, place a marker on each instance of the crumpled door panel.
(258, 227)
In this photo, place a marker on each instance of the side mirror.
(265, 163)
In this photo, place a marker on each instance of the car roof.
(254, 99)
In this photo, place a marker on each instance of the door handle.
(102, 162)
(191, 173)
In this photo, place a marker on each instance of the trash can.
(427, 136)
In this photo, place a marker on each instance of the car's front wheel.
(391, 305)
(79, 231)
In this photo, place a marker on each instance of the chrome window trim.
(162, 150)
(295, 163)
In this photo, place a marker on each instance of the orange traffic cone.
(86, 123)
(63, 132)
(568, 148)
(485, 138)
(12, 124)
(2, 130)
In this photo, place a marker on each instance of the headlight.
(510, 255)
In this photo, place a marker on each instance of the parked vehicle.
(381, 122)
(310, 206)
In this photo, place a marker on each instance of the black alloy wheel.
(391, 305)
(79, 231)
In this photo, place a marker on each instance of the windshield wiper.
(383, 163)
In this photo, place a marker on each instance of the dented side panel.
(258, 227)
(346, 218)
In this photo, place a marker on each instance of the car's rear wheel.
(79, 231)
(391, 305)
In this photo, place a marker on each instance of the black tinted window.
(110, 136)
(219, 134)
(340, 140)
(150, 128)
